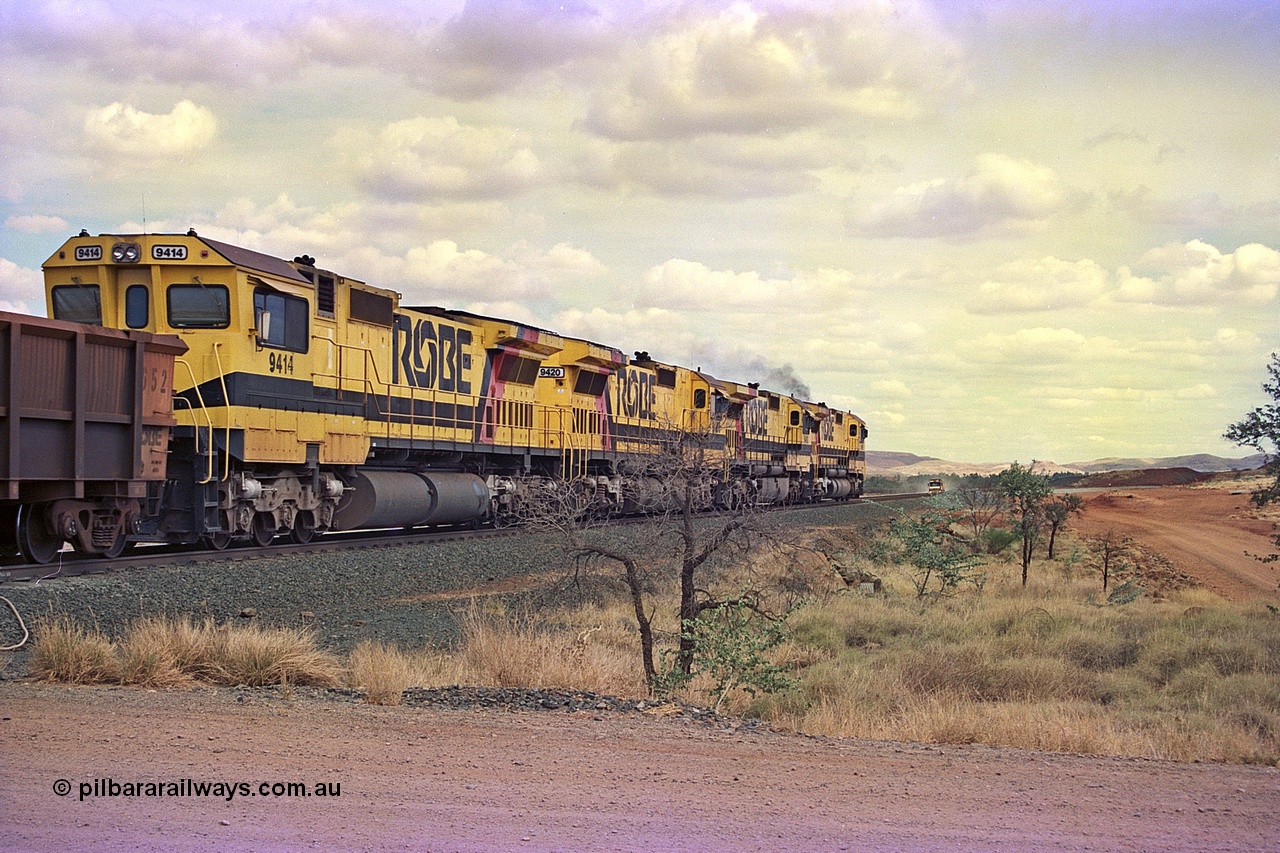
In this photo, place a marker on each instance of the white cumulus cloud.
(37, 224)
(123, 129)
(1000, 193)
(1047, 284)
(21, 289)
(1198, 273)
(444, 273)
(754, 67)
(429, 157)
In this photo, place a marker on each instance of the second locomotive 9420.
(306, 401)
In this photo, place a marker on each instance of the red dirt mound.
(1210, 534)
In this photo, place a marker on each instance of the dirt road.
(1209, 533)
(411, 779)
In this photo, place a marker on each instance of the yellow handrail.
(195, 386)
(226, 413)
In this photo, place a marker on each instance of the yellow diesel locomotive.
(308, 401)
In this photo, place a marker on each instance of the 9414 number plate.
(168, 253)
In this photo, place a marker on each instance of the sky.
(995, 230)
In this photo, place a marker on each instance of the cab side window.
(288, 327)
(78, 303)
(198, 306)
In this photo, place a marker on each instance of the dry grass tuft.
(158, 652)
(383, 672)
(65, 652)
(258, 656)
(590, 649)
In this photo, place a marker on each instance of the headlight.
(126, 253)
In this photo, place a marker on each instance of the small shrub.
(939, 559)
(1127, 593)
(732, 647)
(998, 540)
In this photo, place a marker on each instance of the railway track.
(70, 564)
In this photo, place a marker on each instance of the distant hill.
(893, 459)
(1203, 462)
(888, 463)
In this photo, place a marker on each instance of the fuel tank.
(402, 499)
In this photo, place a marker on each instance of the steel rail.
(70, 564)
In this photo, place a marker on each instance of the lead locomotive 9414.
(191, 391)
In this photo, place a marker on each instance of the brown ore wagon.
(85, 416)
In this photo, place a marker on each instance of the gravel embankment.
(460, 698)
(397, 594)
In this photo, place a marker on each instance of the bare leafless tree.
(1112, 548)
(978, 509)
(1058, 510)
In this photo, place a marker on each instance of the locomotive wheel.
(37, 543)
(264, 529)
(304, 528)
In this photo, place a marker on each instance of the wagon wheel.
(263, 529)
(118, 548)
(304, 528)
(37, 543)
(218, 541)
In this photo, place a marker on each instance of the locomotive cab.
(245, 457)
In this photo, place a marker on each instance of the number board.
(168, 253)
(551, 373)
(88, 253)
